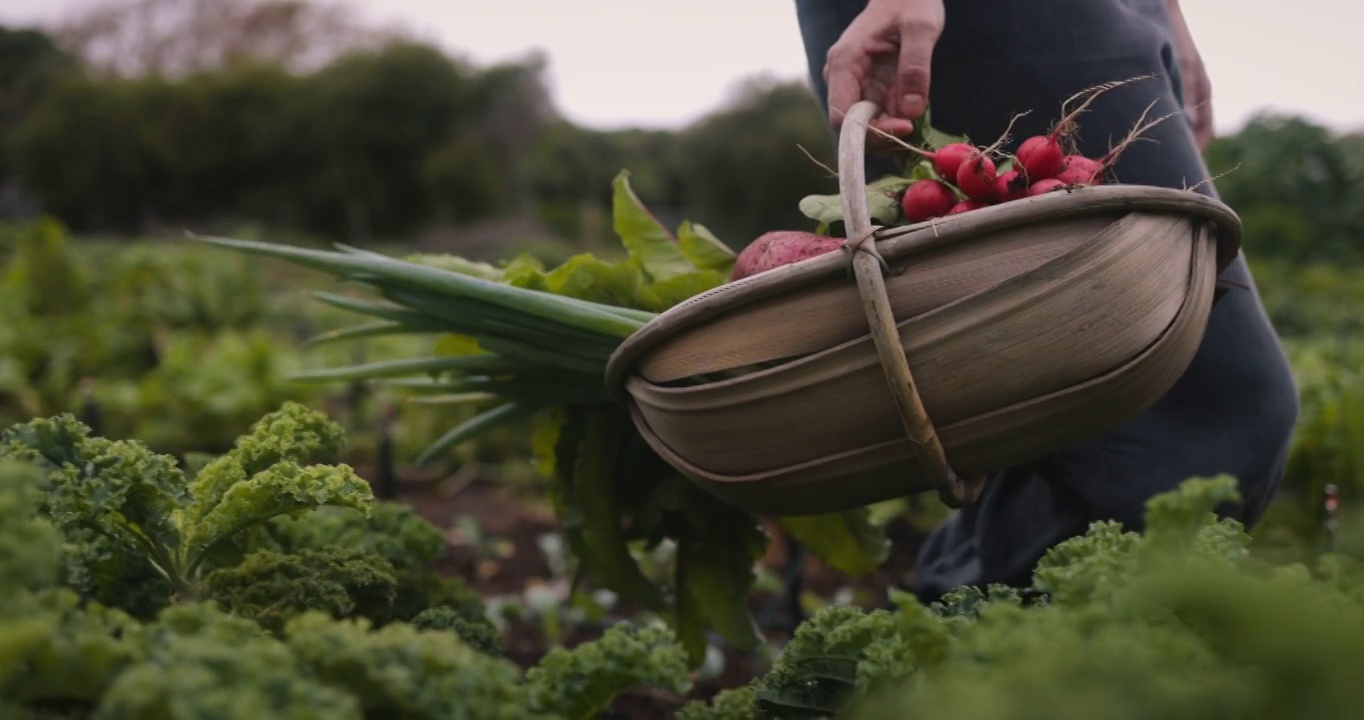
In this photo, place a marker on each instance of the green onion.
(377, 328)
(568, 311)
(475, 426)
(483, 363)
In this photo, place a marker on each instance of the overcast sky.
(678, 60)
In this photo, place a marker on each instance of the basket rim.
(898, 242)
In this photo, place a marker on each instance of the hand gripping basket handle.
(867, 264)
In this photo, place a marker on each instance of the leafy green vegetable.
(847, 541)
(582, 682)
(523, 342)
(131, 516)
(1178, 622)
(273, 641)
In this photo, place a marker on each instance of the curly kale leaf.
(53, 651)
(112, 502)
(271, 587)
(293, 434)
(1181, 527)
(30, 546)
(50, 443)
(262, 477)
(579, 683)
(202, 663)
(401, 671)
(477, 632)
(410, 543)
(279, 489)
(732, 704)
(137, 535)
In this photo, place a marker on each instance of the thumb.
(917, 39)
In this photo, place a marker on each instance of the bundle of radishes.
(966, 177)
(958, 177)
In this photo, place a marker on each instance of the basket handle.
(867, 264)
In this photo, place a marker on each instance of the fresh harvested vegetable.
(1039, 157)
(781, 247)
(1011, 185)
(951, 176)
(1045, 186)
(1042, 156)
(1078, 170)
(976, 177)
(928, 199)
(948, 158)
(967, 206)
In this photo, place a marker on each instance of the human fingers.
(918, 36)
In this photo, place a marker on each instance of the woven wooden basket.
(996, 337)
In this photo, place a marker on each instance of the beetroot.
(927, 199)
(781, 247)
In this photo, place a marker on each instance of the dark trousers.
(1233, 410)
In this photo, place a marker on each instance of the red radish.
(945, 159)
(927, 199)
(1011, 185)
(1039, 156)
(976, 177)
(1080, 170)
(950, 157)
(967, 206)
(781, 247)
(1045, 186)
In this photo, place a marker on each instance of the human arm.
(885, 56)
(1197, 86)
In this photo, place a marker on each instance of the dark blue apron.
(1234, 409)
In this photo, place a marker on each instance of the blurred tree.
(743, 166)
(30, 65)
(374, 118)
(1291, 182)
(178, 37)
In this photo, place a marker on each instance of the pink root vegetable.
(950, 157)
(781, 247)
(1045, 186)
(945, 159)
(1079, 170)
(927, 199)
(976, 177)
(1011, 185)
(967, 206)
(1039, 157)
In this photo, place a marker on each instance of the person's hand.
(1197, 86)
(885, 56)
